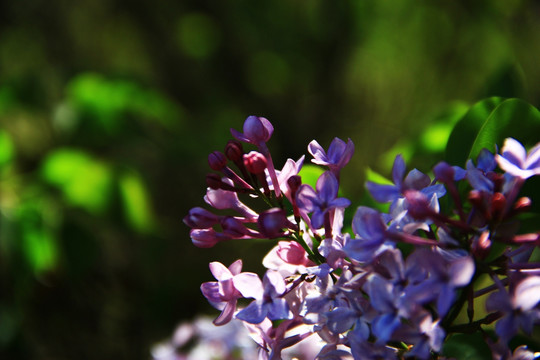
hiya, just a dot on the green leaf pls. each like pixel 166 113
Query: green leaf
pixel 488 123
pixel 467 347
pixel 310 174
pixel 136 202
pixel 6 148
pixel 464 133
pixel 84 181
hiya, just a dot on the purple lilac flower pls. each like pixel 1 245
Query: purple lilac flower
pixel 269 302
pixel 442 272
pixel 370 229
pixel 257 131
pixel 515 160
pixel 415 180
pixel 518 306
pixel 322 200
pixel 338 155
pixel 291 168
pixel 224 293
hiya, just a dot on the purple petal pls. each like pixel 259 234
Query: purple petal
pixel 415 179
pixel 336 150
pixel 279 309
pixel 527 293
pixel 219 271
pixel 306 198
pixel 514 152
pixel 273 283
pixel 226 314
pixel 254 313
pixel 382 193
pixel 327 187
pixel 533 158
pixel 318 153
pixel 461 271
pixel 236 267
pixel 398 170
pixel 367 223
pixel 249 285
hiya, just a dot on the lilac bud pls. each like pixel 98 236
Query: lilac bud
pixel 255 162
pixel 217 160
pixel 481 245
pixel 199 218
pixel 292 253
pixel 206 238
pixel 234 227
pixel 272 222
pixel 258 129
pixel 294 183
pixel 234 150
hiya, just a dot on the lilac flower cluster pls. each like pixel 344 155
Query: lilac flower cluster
pixel 403 282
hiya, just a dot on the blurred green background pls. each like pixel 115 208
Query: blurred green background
pixel 108 110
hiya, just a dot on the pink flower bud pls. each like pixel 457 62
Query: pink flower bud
pixel 206 238
pixel 255 162
pixel 292 253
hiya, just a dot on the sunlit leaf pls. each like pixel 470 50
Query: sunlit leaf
pixel 488 123
pixel 136 202
pixel 6 148
pixel 84 181
pixel 40 249
pixel 108 101
pixel 310 174
pixel 464 133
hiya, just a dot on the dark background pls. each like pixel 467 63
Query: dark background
pixel 108 110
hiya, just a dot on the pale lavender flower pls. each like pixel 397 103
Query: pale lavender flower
pixel 516 161
pixel 338 155
pixel 269 302
pixel 415 180
pixel 322 200
pixel 232 284
pixel 518 306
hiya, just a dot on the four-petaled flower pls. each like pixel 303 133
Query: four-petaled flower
pixel 517 162
pixel 232 284
pixel 322 200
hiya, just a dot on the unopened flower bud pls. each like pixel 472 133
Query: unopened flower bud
pixel 523 204
pixel 258 129
pixel 234 150
pixel 292 253
pixel 206 238
pixel 217 160
pixel 255 162
pixel 294 183
pixel 272 222
pixel 234 227
pixel 498 204
pixel 199 218
pixel 481 245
